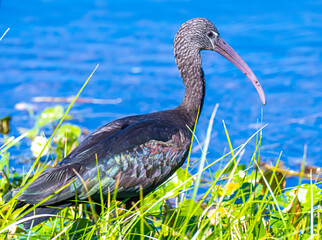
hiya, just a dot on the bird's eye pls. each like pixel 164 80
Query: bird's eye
pixel 210 34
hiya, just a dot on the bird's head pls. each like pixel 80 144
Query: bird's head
pixel 201 34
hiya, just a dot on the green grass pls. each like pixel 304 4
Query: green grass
pixel 237 202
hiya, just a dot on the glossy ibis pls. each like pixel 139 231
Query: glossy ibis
pixel 138 151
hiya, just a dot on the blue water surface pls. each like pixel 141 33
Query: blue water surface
pixel 53 46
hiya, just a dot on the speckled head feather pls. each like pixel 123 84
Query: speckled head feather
pixel 192 36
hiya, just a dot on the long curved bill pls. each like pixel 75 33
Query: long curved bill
pixel 225 50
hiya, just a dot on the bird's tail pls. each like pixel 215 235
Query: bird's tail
pixel 33 218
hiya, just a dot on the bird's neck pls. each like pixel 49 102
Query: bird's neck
pixel 189 65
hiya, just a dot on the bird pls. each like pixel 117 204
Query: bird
pixel 135 152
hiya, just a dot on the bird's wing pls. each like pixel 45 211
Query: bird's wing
pixel 53 183
pixel 144 153
pixel 50 181
pixel 102 133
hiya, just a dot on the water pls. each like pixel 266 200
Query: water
pixel 53 46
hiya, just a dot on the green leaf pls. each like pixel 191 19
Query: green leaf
pixel 50 115
pixel 4 160
pixel 186 215
pixel 258 190
pixel 141 228
pixel 188 206
pixel 177 182
pixel 304 195
pixel 259 230
pixel 171 189
pixel 69 130
pixel 66 139
pixel 79 228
